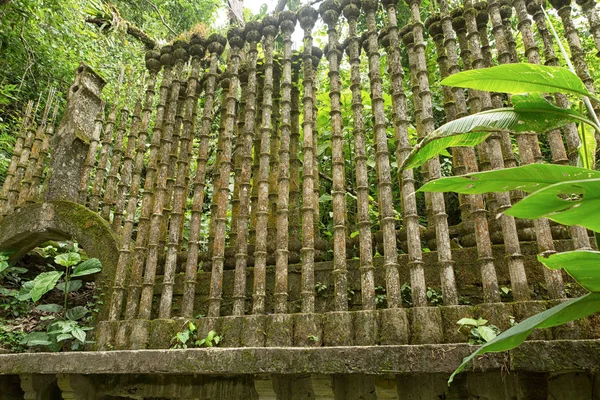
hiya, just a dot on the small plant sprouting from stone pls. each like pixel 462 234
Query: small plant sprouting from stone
pixel 434 297
pixel 313 338
pixel 477 330
pixel 188 337
pixel 320 287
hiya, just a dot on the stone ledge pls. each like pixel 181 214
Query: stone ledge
pixel 535 356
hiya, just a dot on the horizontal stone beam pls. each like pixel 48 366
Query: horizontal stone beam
pixel 534 356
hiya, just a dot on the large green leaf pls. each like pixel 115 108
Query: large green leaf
pixel 43 283
pixel 67 259
pixel 527 178
pixel 583 265
pixel 87 267
pixel 71 286
pixel 519 78
pixel 76 313
pixel 531 113
pixel 568 203
pixel 568 311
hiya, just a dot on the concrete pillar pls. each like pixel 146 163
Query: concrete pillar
pixel 71 142
pixel 38 387
pixel 76 387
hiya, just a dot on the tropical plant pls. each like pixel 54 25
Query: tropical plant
pixel 565 194
pixel 66 322
pixel 188 337
pixel 477 330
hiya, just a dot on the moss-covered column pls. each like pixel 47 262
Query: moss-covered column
pixel 179 194
pixel 287 22
pixel 112 179
pixel 9 180
pixel 577 53
pixel 270 29
pixel 127 168
pixel 140 247
pixel 38 173
pixel 180 55
pixel 237 160
pixel 593 16
pixel 330 12
pixel 224 83
pixel 191 267
pixel 528 148
pixel 308 17
pixel 321 244
pixel 253 35
pixel 105 150
pixel 367 270
pixel 295 244
pixel 494 153
pixel 174 157
pixel 90 160
pixel 443 34
pixel 36 148
pixel 154 66
pixel 384 178
pixel 274 161
pixel 439 216
pixel 222 185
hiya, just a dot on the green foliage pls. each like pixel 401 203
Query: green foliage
pixel 188 337
pixel 70 327
pixel 566 195
pixel 520 78
pixel 477 330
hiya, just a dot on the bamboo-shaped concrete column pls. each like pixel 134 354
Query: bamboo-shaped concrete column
pixel 403 148
pixel 384 177
pixel 179 192
pixel 308 17
pixel 580 237
pixel 180 56
pixel 367 270
pixel 127 167
pixel 270 29
pixel 154 66
pixel 593 16
pixel 9 180
pixel 506 13
pixel 90 160
pixel 330 13
pixel 174 162
pixel 38 173
pixel 36 148
pixel 253 34
pixel 440 218
pixel 570 130
pixel 191 267
pixel 237 160
pixel 479 101
pixel 559 156
pixel 274 160
pixel 141 240
pixel 105 150
pixel 295 244
pixel 287 22
pixel 236 42
pixel 112 180
pixel 445 40
pixel 15 187
pixel 577 53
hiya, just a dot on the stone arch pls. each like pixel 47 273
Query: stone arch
pixel 35 224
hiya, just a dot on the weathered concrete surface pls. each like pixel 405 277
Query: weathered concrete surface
pixel 537 356
pixel 71 143
pixel 35 224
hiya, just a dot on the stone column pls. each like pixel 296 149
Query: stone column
pixel 71 143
